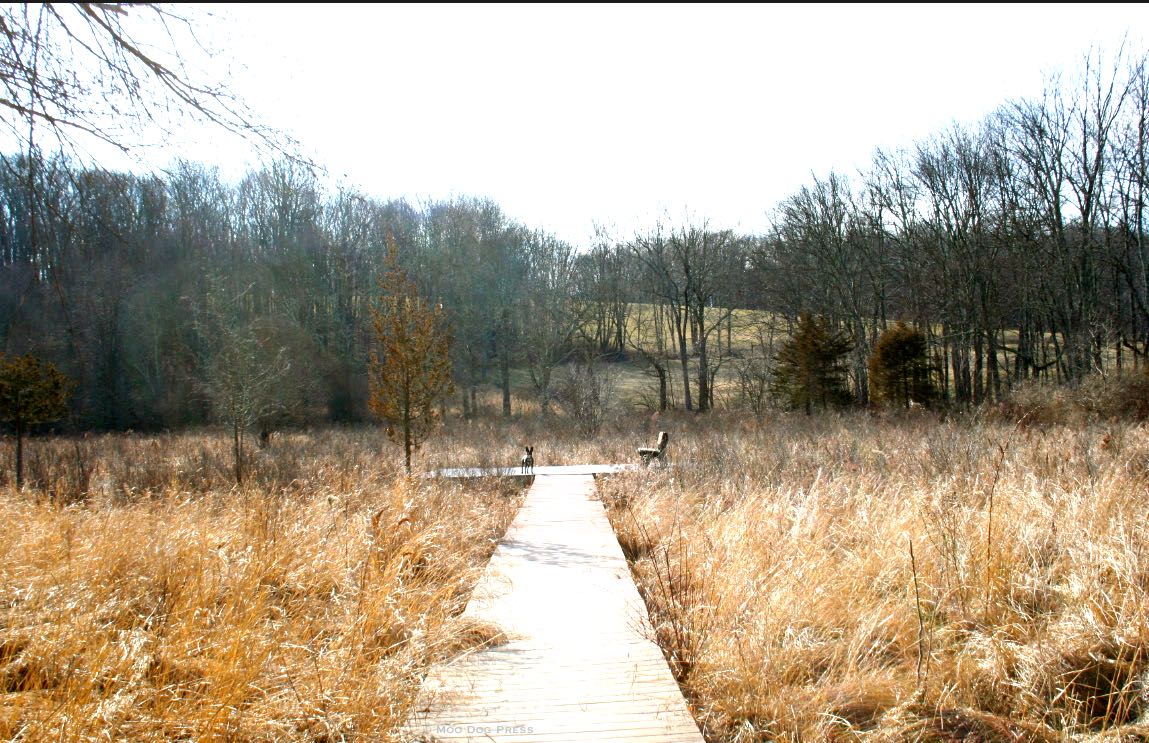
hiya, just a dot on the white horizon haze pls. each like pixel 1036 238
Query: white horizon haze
pixel 568 116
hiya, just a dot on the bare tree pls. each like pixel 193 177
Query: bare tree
pixel 1063 145
pixel 1132 157
pixel 602 278
pixel 242 368
pixel 825 245
pixel 666 261
pixel 649 339
pixel 585 390
pixel 82 73
pixel 755 369
pixel 551 318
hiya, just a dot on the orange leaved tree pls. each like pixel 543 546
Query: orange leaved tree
pixel 410 365
pixel 900 369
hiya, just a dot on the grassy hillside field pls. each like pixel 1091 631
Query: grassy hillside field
pixel 749 341
pixel 835 577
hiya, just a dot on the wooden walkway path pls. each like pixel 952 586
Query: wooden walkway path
pixel 558 469
pixel 577 666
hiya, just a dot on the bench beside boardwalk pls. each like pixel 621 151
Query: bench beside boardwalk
pixel 577 665
pixel 559 469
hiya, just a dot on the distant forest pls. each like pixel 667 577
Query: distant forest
pixel 1016 244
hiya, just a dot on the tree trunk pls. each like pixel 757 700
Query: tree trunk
pixel 407 440
pixel 945 364
pixel 620 332
pixel 993 372
pixel 505 381
pixel 978 369
pixel 861 357
pixel 703 376
pixel 662 388
pixel 237 441
pixel 683 357
pixel 963 385
pixel 19 456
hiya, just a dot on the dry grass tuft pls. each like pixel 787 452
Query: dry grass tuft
pixel 964 725
pixel 1094 684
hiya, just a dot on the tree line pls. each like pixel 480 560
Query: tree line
pixel 175 299
pixel 1015 245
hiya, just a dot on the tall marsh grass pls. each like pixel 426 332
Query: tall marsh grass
pixel 145 598
pixel 776 564
pixel 867 577
pixel 843 577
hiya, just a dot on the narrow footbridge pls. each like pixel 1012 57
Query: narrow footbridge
pixel 560 469
pixel 577 664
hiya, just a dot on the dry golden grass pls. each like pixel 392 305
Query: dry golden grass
pixel 776 561
pixel 884 578
pixel 145 598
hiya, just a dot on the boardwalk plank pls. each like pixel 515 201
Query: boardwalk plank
pixel 577 665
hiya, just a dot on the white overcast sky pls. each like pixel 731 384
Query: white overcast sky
pixel 568 115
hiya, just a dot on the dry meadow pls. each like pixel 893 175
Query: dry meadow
pixel 146 598
pixel 854 578
pixel 838 577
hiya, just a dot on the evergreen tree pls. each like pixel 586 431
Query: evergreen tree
pixel 410 367
pixel 811 369
pixel 31 392
pixel 900 369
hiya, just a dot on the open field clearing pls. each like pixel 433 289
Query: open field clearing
pixel 546 414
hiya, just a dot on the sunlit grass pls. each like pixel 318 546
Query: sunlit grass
pixel 776 561
pixel 881 577
pixel 159 603
pixel 837 577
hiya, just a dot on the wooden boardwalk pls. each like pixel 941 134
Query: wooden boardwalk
pixel 577 666
pixel 559 469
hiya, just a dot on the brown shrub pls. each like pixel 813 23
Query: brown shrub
pixel 1099 398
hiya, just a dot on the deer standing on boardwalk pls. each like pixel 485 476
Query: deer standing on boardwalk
pixel 648 455
pixel 528 460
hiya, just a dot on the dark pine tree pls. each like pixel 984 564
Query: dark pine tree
pixel 811 370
